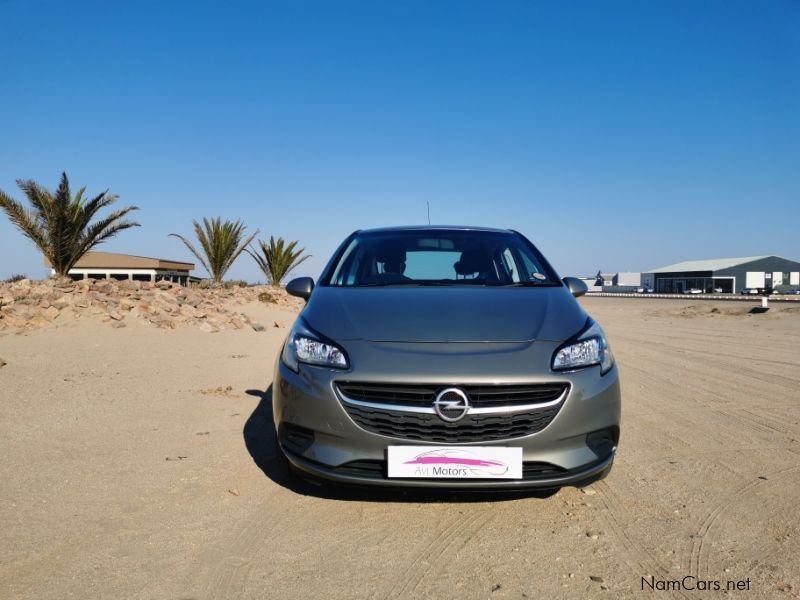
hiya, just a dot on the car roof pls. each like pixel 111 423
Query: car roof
pixel 434 228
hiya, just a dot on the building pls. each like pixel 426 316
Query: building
pixel 726 275
pixel 624 281
pixel 606 279
pixel 628 279
pixel 591 284
pixel 108 265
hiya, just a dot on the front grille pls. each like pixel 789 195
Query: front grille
pixel 479 395
pixel 376 469
pixel 497 412
pixel 430 428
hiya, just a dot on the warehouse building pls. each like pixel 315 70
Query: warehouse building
pixel 109 265
pixel 726 275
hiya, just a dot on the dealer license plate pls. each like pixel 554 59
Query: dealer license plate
pixel 464 462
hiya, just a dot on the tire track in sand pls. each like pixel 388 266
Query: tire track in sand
pixel 699 553
pixel 433 558
pixel 234 562
pixel 633 552
pixel 413 574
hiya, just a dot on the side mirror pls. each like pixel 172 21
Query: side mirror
pixel 300 287
pixel 575 286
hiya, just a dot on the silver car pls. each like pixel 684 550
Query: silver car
pixel 447 357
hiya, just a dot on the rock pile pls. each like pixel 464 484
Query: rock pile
pixel 27 304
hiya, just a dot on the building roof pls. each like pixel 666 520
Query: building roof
pixel 111 260
pixel 711 264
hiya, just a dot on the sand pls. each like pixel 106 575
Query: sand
pixel 136 463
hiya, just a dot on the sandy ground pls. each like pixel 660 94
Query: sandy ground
pixel 135 463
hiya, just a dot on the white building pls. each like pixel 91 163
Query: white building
pixel 109 265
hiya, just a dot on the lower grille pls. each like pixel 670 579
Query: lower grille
pixel 376 469
pixel 430 428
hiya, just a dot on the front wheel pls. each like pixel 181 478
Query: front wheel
pixel 282 468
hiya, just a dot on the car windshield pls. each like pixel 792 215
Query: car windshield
pixel 442 257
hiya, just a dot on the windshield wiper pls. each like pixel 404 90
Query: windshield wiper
pixel 527 284
pixel 388 283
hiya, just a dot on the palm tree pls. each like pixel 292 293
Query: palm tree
pixel 277 258
pixel 221 242
pixel 61 224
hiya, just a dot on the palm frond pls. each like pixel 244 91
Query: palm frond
pixel 26 221
pixel 277 259
pixel 221 243
pixel 194 251
pixel 60 224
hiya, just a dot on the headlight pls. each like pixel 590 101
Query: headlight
pixel 307 346
pixel 589 348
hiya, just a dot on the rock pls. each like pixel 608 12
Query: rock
pixel 27 304
pixel 23 311
pixel 117 324
pixel 128 284
pixel 163 322
pixel 596 578
pixel 208 327
pixel 233 492
pixel 588 491
pixel 50 313
pixel 594 534
pixel 2 362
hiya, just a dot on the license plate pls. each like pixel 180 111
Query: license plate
pixel 467 462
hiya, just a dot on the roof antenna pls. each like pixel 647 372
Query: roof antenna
pixel 429 211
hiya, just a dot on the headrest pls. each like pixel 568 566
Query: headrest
pixel 473 261
pixel 390 254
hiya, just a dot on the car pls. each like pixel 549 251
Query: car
pixel 445 357
pixel 717 290
pixel 693 291
pixel 793 292
pixel 750 291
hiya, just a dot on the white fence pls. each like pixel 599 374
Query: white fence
pixel 735 297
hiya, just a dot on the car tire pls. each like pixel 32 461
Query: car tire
pixel 282 467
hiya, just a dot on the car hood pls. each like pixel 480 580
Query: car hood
pixel 444 314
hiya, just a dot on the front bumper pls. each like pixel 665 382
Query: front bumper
pixel 307 402
pixel 576 477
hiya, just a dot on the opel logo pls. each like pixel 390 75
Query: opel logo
pixel 451 405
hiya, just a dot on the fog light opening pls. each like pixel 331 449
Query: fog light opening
pixel 604 442
pixel 295 438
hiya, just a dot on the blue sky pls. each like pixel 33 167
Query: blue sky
pixel 615 135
